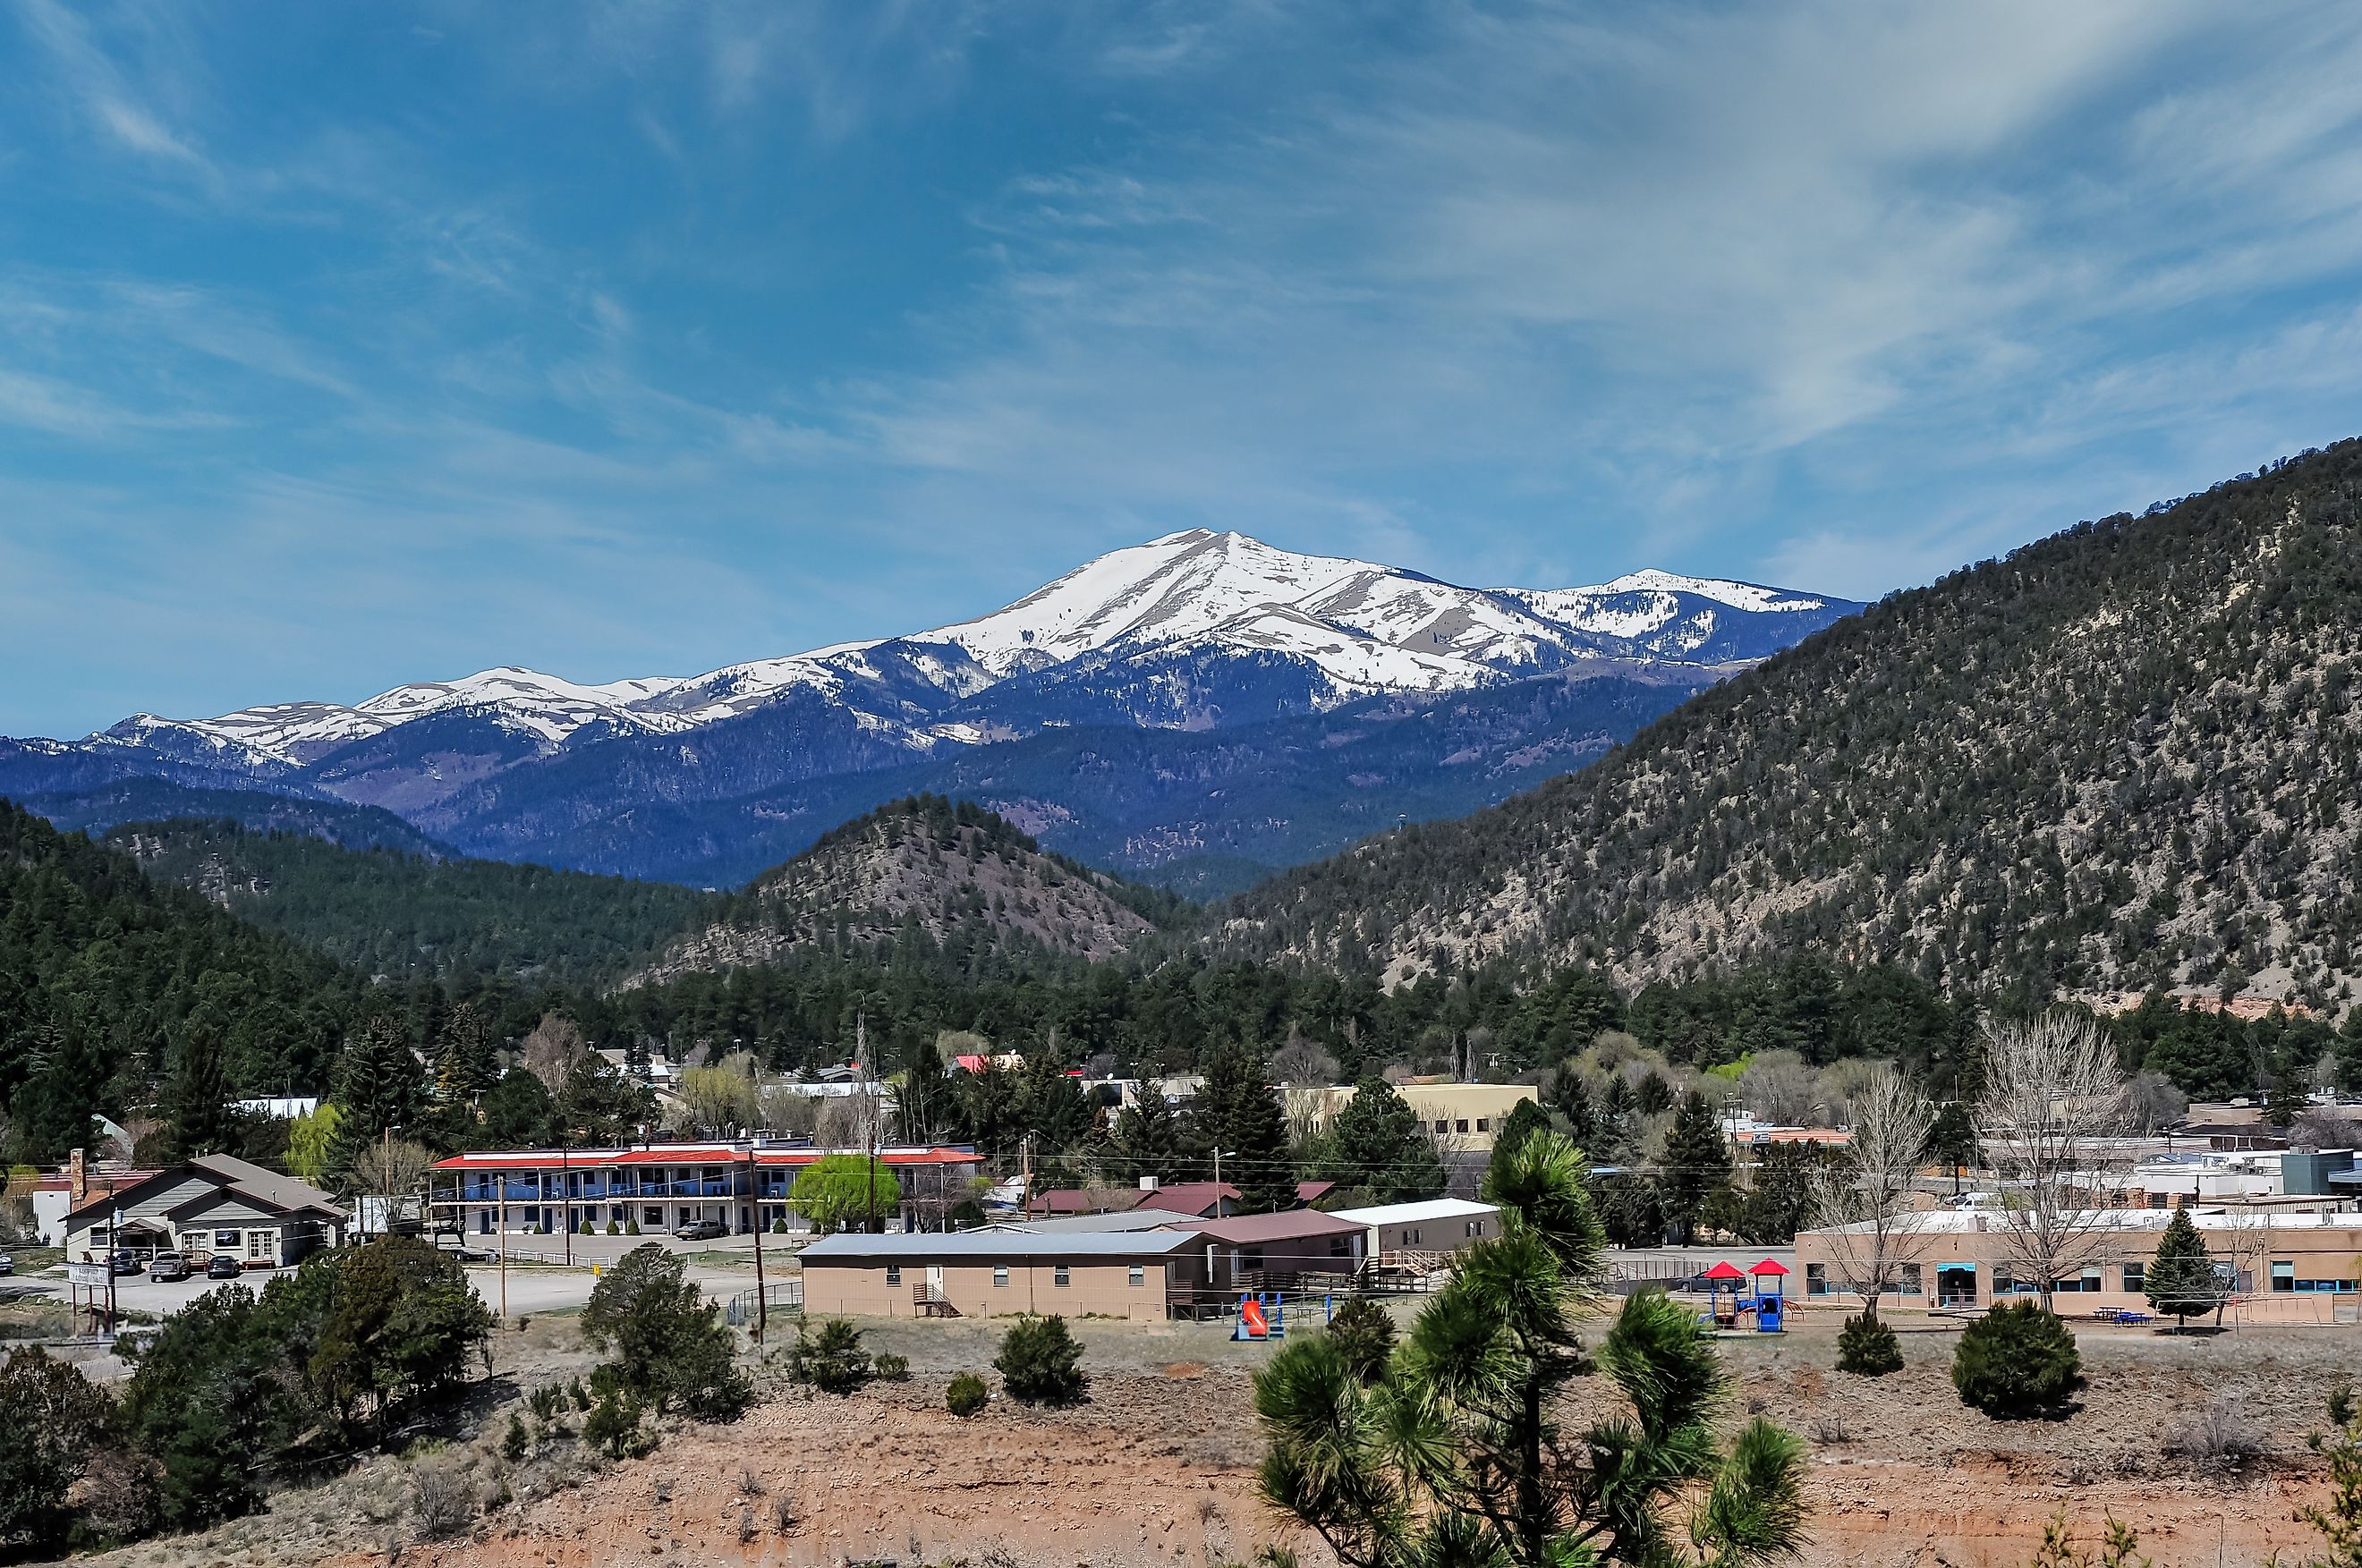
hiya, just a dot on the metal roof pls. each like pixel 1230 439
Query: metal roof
pixel 986 1246
pixel 1123 1220
pixel 1416 1213
pixel 1286 1226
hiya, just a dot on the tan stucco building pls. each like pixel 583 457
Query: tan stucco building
pixel 991 1274
pixel 2277 1266
pixel 1460 1117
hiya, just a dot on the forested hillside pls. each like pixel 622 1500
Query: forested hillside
pixel 960 876
pixel 410 916
pixel 2125 755
pixel 112 987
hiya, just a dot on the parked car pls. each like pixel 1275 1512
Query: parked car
pixel 222 1266
pixel 7 1264
pixel 169 1265
pixel 122 1260
pixel 702 1231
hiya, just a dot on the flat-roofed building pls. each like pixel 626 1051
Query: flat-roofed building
pixel 1432 1225
pixel 2277 1266
pixel 996 1273
pixel 1460 1117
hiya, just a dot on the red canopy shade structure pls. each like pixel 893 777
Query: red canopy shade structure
pixel 1769 1266
pixel 1724 1271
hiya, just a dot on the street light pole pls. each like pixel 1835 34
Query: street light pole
pixel 762 1300
pixel 504 1245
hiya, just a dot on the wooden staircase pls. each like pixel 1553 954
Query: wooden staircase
pixel 930 1301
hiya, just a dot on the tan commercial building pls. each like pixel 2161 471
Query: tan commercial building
pixel 2276 1267
pixel 1434 1225
pixel 991 1274
pixel 1460 1117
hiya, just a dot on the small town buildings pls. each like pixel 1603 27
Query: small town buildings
pixel 214 1203
pixel 1214 1200
pixel 1434 1225
pixel 663 1187
pixel 2278 1267
pixel 1460 1117
pixel 1249 1250
pixel 1083 1200
pixel 995 1273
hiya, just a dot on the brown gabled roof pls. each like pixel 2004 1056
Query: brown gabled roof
pixel 1288 1224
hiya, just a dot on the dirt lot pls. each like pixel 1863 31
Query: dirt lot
pixel 1157 1467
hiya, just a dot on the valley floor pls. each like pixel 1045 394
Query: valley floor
pixel 1158 1467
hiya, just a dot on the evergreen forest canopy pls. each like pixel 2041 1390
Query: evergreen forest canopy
pixel 2124 757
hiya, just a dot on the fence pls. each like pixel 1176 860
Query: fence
pixel 787 1296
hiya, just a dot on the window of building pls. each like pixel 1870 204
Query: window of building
pixel 1475 1227
pixel 1442 1125
pixel 1000 1274
pixel 1484 1124
pixel 1816 1280
pixel 652 1217
pixel 1251 1258
pixel 2136 1279
pixel 2089 1279
pixel 1139 1275
pixel 893 1274
pixel 1908 1280
pixel 1060 1275
pixel 2283 1273
pixel 1461 1125
pixel 1337 1247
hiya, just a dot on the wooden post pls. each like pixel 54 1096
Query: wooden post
pixel 762 1301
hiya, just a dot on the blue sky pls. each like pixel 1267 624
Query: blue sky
pixel 345 346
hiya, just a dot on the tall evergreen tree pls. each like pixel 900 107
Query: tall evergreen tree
pixel 1697 1165
pixel 1237 1114
pixel 465 1062
pixel 379 1084
pixel 55 1108
pixel 1570 1098
pixel 2180 1279
pixel 1952 1139
pixel 198 1118
pixel 1052 1105
pixel 1150 1140
pixel 1376 1143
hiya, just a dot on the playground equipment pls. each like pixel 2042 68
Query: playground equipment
pixel 1757 1290
pixel 1262 1315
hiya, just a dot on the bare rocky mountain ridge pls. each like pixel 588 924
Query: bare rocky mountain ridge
pixel 2125 756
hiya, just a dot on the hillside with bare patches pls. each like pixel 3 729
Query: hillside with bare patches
pixel 959 875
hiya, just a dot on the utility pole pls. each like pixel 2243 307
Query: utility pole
pixel 762 1300
pixel 504 1228
pixel 113 1242
pixel 566 1189
pixel 869 1122
pixel 386 1219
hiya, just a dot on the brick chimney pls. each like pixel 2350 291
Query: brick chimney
pixel 78 1179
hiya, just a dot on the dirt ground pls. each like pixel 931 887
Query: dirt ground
pixel 1158 1466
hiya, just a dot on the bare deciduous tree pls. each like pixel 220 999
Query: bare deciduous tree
pixel 2054 1098
pixel 2153 1100
pixel 1779 1088
pixel 396 1169
pixel 1865 1197
pixel 850 1121
pixel 553 1049
pixel 1302 1064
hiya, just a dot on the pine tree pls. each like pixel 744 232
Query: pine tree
pixel 2180 1279
pixel 1148 1138
pixel 1952 1139
pixel 1376 1143
pixel 465 1062
pixel 1237 1114
pixel 1697 1165
pixel 196 1106
pixel 1570 1098
pixel 379 1085
pixel 1524 1120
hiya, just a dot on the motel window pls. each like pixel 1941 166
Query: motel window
pixel 1061 1275
pixel 1139 1275
pixel 652 1217
pixel 1000 1274
pixel 2136 1279
pixel 1816 1280
pixel 1910 1283
pixel 893 1274
pixel 2283 1273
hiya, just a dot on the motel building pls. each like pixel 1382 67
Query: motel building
pixel 659 1188
pixel 2277 1266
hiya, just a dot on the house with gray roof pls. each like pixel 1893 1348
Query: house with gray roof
pixel 212 1203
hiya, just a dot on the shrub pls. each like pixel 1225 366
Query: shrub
pixel 828 1356
pixel 1040 1362
pixel 440 1500
pixel 615 1424
pixel 2218 1436
pixel 1364 1333
pixel 671 1349
pixel 891 1367
pixel 576 1392
pixel 612 1229
pixel 1867 1346
pixel 588 1229
pixel 778 1227
pixel 2016 1362
pixel 630 1227
pixel 966 1395
pixel 517 1439
pixel 54 1418
pixel 546 1401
